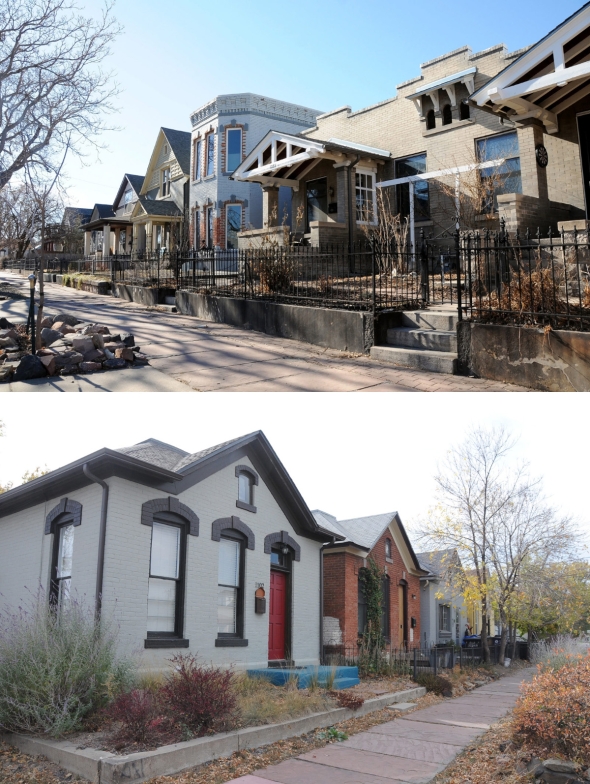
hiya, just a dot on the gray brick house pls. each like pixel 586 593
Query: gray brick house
pixel 214 552
pixel 224 131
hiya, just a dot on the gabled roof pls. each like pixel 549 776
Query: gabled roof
pixel 136 182
pixel 102 212
pixel 548 78
pixel 163 207
pixel 436 562
pixel 172 470
pixel 74 214
pixel 180 145
pixel 365 532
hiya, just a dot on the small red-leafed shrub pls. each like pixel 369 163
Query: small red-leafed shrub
pixel 348 699
pixel 200 698
pixel 139 715
pixel 553 713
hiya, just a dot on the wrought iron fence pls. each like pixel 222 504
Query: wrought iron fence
pixel 527 280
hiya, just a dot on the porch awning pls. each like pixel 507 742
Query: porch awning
pixel 547 79
pixel 284 159
pixel 156 208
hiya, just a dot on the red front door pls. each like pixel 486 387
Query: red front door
pixel 277 616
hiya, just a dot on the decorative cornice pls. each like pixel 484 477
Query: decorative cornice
pixel 281 537
pixel 65 507
pixel 151 508
pixel 234 523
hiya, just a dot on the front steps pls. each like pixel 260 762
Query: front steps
pixel 342 677
pixel 424 340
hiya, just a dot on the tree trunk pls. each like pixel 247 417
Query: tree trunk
pixel 484 616
pixel 503 637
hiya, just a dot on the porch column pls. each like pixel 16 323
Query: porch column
pixel 87 239
pixel 106 241
pixel 342 191
pixel 135 230
pixel 270 206
pixel 534 178
pixel 148 237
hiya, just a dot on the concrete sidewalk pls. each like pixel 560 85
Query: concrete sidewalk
pixel 413 749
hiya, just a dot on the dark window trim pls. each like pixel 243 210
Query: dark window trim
pixel 65 506
pixel 65 519
pixel 236 536
pixel 233 523
pixel 162 638
pixel 173 505
pixel 231 642
pixel 244 469
pixel 165 642
pixel 281 537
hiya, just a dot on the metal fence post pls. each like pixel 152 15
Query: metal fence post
pixel 461 658
pixel 435 661
pixel 415 663
pixel 424 268
pixel 373 274
pixel 458 255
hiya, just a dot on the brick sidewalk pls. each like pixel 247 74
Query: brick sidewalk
pixel 209 357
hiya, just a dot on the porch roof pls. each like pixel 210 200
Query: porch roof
pixel 284 159
pixel 547 79
pixel 158 208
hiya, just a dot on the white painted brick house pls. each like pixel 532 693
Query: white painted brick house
pixel 213 552
pixel 224 131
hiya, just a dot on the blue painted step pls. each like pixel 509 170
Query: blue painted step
pixel 345 677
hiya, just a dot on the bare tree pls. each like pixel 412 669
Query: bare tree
pixel 53 93
pixel 495 515
pixel 390 231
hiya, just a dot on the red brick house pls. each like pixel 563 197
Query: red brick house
pixel 383 539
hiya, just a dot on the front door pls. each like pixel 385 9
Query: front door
pixel 584 137
pixel 277 616
pixel 317 200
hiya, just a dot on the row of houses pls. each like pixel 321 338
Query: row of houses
pixel 252 165
pixel 217 552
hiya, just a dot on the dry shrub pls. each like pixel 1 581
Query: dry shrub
pixel 261 702
pixel 553 714
pixel 276 272
pixel 586 296
pixel 435 683
pixel 348 699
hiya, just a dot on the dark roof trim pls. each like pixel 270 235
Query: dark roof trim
pixel 104 463
pixel 409 545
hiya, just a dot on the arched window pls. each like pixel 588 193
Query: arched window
pixel 430 120
pixel 230 588
pixel 247 480
pixel 464 111
pixel 388 549
pixel 447 114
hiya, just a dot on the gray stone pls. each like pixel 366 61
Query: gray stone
pixel 125 353
pixel 114 345
pixel 96 355
pixel 66 318
pixel 561 766
pixel 69 370
pixel 98 340
pixel 29 367
pixel 5 323
pixel 83 344
pixel 114 364
pixel 65 329
pixel 116 338
pixel 68 358
pixel 50 336
pixel 108 353
pixel 141 359
pixel 127 339
pixel 6 372
pixel 8 343
pixel 90 367
pixel 49 363
pixel 552 777
pixel 9 333
pixel 47 322
pixel 535 767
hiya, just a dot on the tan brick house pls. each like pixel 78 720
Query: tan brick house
pixel 529 109
pixel 383 539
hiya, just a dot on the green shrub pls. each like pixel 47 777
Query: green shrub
pixel 56 668
pixel 435 683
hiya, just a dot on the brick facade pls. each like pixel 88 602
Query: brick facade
pixel 341 570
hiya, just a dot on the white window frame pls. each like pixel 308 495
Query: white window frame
pixel 373 174
pixel 198 162
pixel 212 135
pixel 227 206
pixel 165 191
pixel 227 132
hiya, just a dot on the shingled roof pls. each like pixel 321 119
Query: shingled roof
pixel 180 142
pixel 438 561
pixel 159 207
pixel 155 452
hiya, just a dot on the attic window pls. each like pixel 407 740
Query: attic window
pixel 165 149
pixel 388 550
pixel 247 479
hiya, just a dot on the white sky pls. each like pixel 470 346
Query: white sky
pixel 349 454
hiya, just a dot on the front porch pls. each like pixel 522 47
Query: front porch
pixel 104 239
pixel 157 226
pixel 333 186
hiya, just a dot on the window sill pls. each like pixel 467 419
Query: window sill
pixel 244 505
pixel 209 177
pixel 389 560
pixel 165 642
pixel 230 642
pixel 446 128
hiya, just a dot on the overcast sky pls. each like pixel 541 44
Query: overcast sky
pixel 176 56
pixel 349 454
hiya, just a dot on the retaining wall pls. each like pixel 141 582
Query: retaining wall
pixel 552 361
pixel 328 327
pixel 142 294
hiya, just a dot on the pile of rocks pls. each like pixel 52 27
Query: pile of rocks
pixel 69 346
pixel 555 771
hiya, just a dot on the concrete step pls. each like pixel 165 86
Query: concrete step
pixel 431 339
pixel 418 358
pixel 403 707
pixel 443 320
